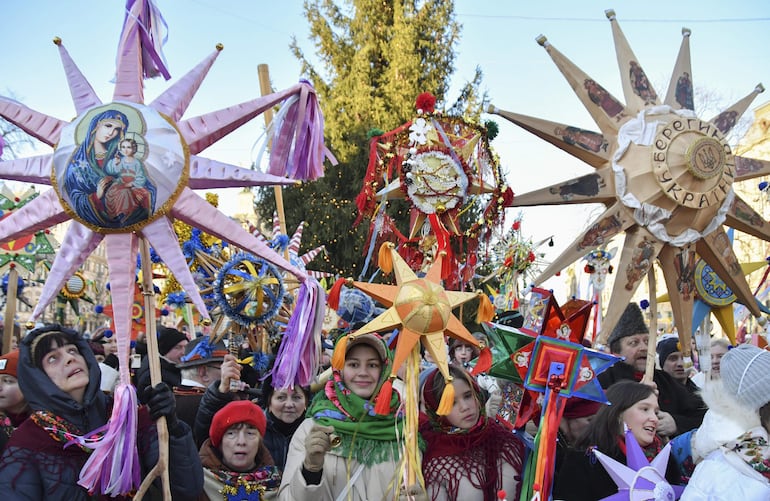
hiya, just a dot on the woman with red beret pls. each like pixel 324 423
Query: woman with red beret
pixel 236 463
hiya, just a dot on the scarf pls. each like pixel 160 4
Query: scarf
pixel 650 451
pixel 753 449
pixel 63 431
pixel 365 436
pixel 248 486
pixel 476 454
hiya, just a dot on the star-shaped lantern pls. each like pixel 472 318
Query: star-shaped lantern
pixel 122 170
pixel 421 308
pixel 546 356
pixel 640 479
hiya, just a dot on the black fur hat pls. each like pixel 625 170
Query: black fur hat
pixel 631 322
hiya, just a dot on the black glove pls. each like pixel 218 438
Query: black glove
pixel 162 402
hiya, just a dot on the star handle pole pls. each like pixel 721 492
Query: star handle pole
pixel 264 88
pixel 649 368
pixel 10 308
pixel 161 467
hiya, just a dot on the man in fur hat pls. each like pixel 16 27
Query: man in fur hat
pixel 679 412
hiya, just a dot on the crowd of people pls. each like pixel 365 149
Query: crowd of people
pixel 232 435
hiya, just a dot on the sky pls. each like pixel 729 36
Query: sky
pixel 729 50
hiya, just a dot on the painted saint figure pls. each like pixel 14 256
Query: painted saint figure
pixel 87 169
pixel 128 194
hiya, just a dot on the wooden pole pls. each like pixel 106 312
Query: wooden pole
pixel 10 308
pixel 264 88
pixel 649 369
pixel 153 355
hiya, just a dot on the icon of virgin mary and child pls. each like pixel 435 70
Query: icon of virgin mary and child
pixel 106 183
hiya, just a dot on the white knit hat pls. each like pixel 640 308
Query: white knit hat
pixel 744 371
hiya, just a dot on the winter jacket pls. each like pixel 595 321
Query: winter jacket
pixel 686 409
pixel 373 483
pixel 278 436
pixel 725 474
pixel 37 466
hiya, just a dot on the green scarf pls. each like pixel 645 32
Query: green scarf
pixel 365 436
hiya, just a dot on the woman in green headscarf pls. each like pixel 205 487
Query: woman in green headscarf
pixel 344 449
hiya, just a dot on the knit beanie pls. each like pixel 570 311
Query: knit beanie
pixel 631 322
pixel 239 411
pixel 168 338
pixel 8 363
pixel 744 372
pixel 666 347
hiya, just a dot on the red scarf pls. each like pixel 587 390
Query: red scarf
pixel 476 455
pixel 650 451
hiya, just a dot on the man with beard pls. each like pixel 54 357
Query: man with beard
pixel 678 412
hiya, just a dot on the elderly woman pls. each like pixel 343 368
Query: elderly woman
pixel 59 377
pixel 468 456
pixel 236 463
pixel 344 449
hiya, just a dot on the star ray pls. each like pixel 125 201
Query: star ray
pixel 129 81
pixel 160 233
pixel 613 221
pixel 28 170
pixel 79 242
pixel 639 252
pixel 589 146
pixel 83 95
pixel 189 209
pixel 42 213
pixel 680 89
pixel 750 168
pixel 595 187
pixel 202 131
pixel 743 217
pixel 726 120
pixel 210 174
pixel 681 287
pixel 38 125
pixel 608 113
pixel 637 89
pixel 175 100
pixel 123 248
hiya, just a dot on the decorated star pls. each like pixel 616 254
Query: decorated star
pixel 664 174
pixel 124 170
pixel 640 479
pixel 421 308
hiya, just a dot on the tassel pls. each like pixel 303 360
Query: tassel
pixel 484 362
pixel 486 311
pixel 338 357
pixel 384 258
pixel 333 300
pixel 382 407
pixel 447 399
pixel 113 466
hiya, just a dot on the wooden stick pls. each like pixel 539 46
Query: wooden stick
pixel 265 89
pixel 649 369
pixel 10 308
pixel 161 468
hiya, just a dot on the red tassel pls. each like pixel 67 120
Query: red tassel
pixel 333 300
pixel 484 362
pixel 382 407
